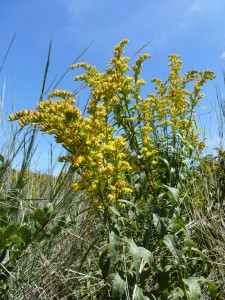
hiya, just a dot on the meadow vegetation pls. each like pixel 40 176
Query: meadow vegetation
pixel 137 210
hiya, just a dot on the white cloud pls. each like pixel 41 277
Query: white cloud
pixel 222 56
pixel 195 8
pixel 201 11
pixel 79 8
pixel 190 17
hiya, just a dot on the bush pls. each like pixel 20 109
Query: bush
pixel 135 162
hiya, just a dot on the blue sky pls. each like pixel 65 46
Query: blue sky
pixel 194 29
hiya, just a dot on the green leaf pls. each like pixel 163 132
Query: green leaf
pixel 170 242
pixel 55 230
pixel 178 225
pixel 114 210
pixel 163 279
pixel 201 254
pixel 41 217
pixel 3 212
pixel 177 293
pixel 113 244
pixel 212 288
pixel 104 264
pixel 173 194
pixel 194 292
pixel 160 224
pixel 118 287
pixel 211 285
pixel 139 295
pixel 127 202
pixel 62 222
pixel 14 239
pixel 131 222
pixel 2 160
pixel 146 255
pixel 3 254
pixel 9 230
pixel 48 209
pixel 25 234
pixel 165 162
pixel 134 250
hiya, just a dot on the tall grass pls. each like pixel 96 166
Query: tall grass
pixel 137 213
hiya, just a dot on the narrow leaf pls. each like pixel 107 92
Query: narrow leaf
pixel 212 287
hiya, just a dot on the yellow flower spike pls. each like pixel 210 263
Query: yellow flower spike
pixel 61 93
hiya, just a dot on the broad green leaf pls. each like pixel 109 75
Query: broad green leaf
pixel 9 230
pixel 118 287
pixel 55 230
pixel 139 295
pixel 160 224
pixel 14 240
pixel 25 234
pixel 178 293
pixel 113 244
pixel 146 255
pixel 104 264
pixel 157 223
pixel 139 185
pixel 48 209
pixel 2 244
pixel 194 292
pixel 173 193
pixel 170 242
pixel 134 250
pixel 137 188
pixel 41 217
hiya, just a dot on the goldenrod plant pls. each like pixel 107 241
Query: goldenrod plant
pixel 134 159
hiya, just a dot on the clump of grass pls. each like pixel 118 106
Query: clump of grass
pixel 34 207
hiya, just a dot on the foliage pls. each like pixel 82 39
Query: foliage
pixel 134 159
pixel 28 210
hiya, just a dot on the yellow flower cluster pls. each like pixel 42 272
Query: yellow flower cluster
pixel 118 136
pixel 61 93
pixel 171 108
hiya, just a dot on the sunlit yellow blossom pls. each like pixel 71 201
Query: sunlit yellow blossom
pixel 122 133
